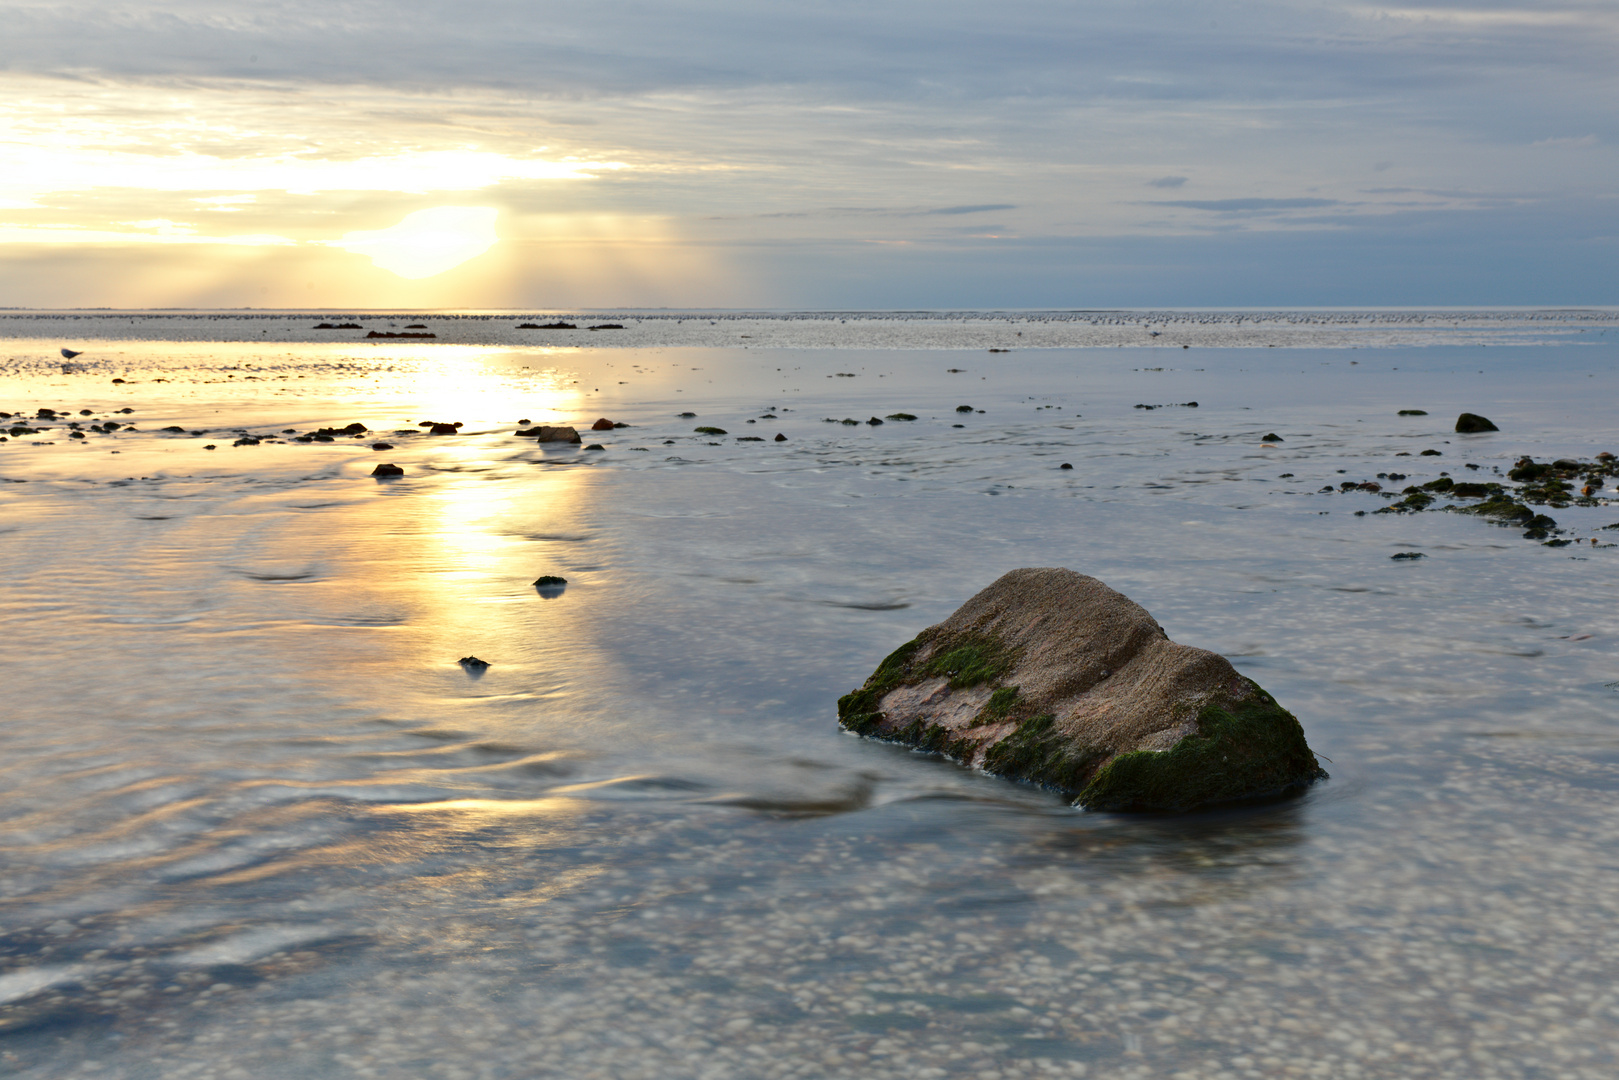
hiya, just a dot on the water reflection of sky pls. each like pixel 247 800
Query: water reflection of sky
pixel 240 759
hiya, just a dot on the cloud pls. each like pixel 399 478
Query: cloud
pixel 1167 182
pixel 1229 206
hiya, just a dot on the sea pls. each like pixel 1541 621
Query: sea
pixel 262 816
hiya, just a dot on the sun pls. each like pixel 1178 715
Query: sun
pixel 427 242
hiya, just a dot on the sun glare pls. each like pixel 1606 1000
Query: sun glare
pixel 427 242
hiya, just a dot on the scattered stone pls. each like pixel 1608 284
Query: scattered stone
pixel 874 421
pixel 558 325
pixel 750 438
pixel 382 470
pixel 472 663
pixel 547 433
pixel 780 437
pixel 603 424
pixel 445 429
pixel 391 334
pixel 964 408
pixel 1408 555
pixel 175 429
pixel 117 381
pixel 416 326
pixel 606 326
pixel 1273 437
pixel 1052 677
pixel 1065 465
pixel 545 581
pixel 1432 453
pixel 382 446
pixel 706 430
pixel 1413 412
pixel 247 440
pixel 901 416
pixel 210 446
pixel 1472 423
pixel 687 415
pixel 595 446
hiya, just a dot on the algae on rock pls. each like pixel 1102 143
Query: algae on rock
pixel 1051 677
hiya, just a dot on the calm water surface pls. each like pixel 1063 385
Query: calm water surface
pixel 256 820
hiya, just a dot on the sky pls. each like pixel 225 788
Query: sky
pixel 819 154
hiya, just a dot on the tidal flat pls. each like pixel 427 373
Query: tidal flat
pixel 256 820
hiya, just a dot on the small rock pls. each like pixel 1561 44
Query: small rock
pixel 445 429
pixel 964 408
pixel 547 580
pixel 706 430
pixel 387 469
pixel 874 421
pixel 606 326
pixel 1430 453
pixel 472 663
pixel 1408 555
pixel 595 446
pixel 780 437
pixel 547 433
pixel 901 416
pixel 1471 423
pixel 1414 412
pixel 382 446
pixel 603 424
pixel 1065 465
pixel 687 415
pixel 1273 437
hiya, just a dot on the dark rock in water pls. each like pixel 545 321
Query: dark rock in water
pixel 444 429
pixel 549 581
pixel 1413 412
pixel 472 663
pixel 780 437
pixel 382 446
pixel 1432 453
pixel 247 441
pixel 387 470
pixel 1472 423
pixel 706 430
pixel 1065 465
pixel 391 334
pixel 901 416
pixel 687 415
pixel 547 433
pixel 606 326
pixel 1273 437
pixel 874 421
pixel 1408 555
pixel 603 424
pixel 964 408
pixel 1052 677
pixel 595 446
pixel 176 429
pixel 210 446
pixel 416 326
pixel 325 326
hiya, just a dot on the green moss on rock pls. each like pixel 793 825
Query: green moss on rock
pixel 1241 750
pixel 1038 752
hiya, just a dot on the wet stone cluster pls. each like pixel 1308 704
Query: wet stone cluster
pixel 1510 501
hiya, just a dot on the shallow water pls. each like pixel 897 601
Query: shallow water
pixel 255 820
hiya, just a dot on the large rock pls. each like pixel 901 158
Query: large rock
pixel 1052 677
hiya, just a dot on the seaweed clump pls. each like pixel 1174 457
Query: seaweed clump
pixel 1241 750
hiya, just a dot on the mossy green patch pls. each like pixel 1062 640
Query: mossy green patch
pixel 1240 751
pixel 1502 508
pixel 970 660
pixel 1000 706
pixel 1036 751
pixel 857 710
